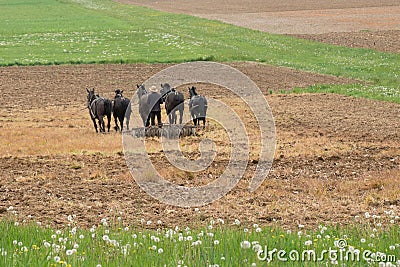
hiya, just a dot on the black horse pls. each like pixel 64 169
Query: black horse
pixel 144 109
pixel 197 106
pixel 174 101
pixel 98 108
pixel 121 110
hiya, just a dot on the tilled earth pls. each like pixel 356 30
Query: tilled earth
pixel 336 156
pixel 365 24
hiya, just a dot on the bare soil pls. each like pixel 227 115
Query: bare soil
pixel 365 24
pixel 336 156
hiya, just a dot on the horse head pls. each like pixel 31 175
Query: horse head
pixel 165 90
pixel 118 93
pixel 141 90
pixel 91 95
pixel 192 91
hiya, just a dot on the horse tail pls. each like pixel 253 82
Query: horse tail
pixel 108 107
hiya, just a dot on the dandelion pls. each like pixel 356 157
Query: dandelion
pixel 362 240
pixel 308 243
pixel 196 243
pixel 148 222
pixel 57 259
pixel 69 252
pixel 159 222
pixel 216 242
pixel 257 247
pixel 15 242
pixel 367 215
pixel 301 225
pixel 106 238
pixel 196 209
pixel 258 230
pixel 81 236
pixel 160 250
pixel 76 246
pixel 58 232
pixel 221 221
pixel 392 247
pixel 126 229
pixel 245 244
pixel 16 224
pixel 46 244
pixel 237 222
pixel 245 230
pixel 210 234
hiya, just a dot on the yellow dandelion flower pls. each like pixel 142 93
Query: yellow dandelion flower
pixel 282 236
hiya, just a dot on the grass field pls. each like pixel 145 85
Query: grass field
pixel 101 31
pixel 112 242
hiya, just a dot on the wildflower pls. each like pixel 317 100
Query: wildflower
pixel 257 247
pixel 258 229
pixel 245 244
pixel 15 242
pixel 148 222
pixel 126 229
pixel 76 246
pixel 308 242
pixel 57 259
pixel 392 247
pixel 216 242
pixel 221 221
pixel 160 250
pixel 196 209
pixel 189 238
pixel 237 222
pixel 16 223
pixel 106 238
pixel 98 265
pixel 81 236
pixel 245 230
pixel 301 225
pixel 367 215
pixel 58 232
pixel 196 243
pixel 362 240
pixel 210 234
pixel 222 258
pixel 46 244
pixel 69 252
pixel 159 222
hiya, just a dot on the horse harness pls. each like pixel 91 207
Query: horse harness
pixel 92 104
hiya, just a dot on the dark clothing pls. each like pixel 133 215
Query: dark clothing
pixel 154 101
pixel 153 115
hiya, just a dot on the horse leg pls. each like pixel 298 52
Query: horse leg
pixel 128 117
pixel 116 123
pixel 95 125
pixel 108 122
pixel 121 122
pixel 170 118
pixel 180 116
pixel 101 124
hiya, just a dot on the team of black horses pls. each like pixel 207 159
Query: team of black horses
pixel 149 107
